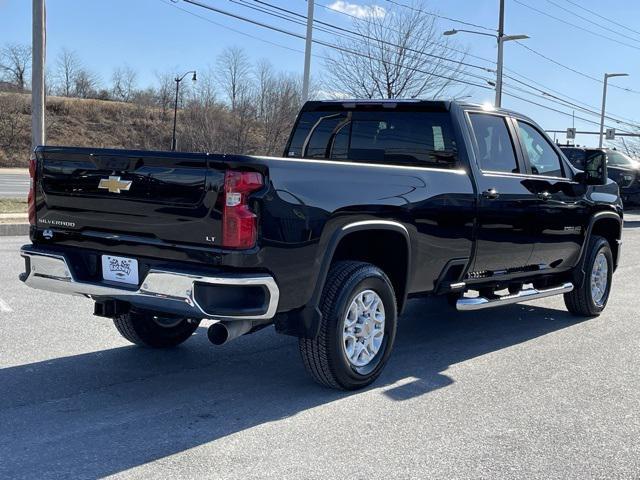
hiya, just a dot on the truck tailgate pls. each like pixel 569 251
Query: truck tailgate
pixel 151 196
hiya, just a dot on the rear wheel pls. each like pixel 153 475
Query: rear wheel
pixel 157 332
pixel 590 298
pixel 357 330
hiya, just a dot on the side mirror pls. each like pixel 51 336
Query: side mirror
pixel 595 169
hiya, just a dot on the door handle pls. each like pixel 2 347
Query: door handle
pixel 544 196
pixel 491 194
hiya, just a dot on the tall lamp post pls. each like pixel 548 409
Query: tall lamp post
pixel 607 76
pixel 500 38
pixel 175 106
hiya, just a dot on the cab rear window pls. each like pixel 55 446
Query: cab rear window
pixel 398 138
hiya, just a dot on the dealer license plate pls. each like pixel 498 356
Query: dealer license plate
pixel 120 269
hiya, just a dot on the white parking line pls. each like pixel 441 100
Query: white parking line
pixel 4 307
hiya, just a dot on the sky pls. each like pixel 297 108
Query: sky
pixel 153 36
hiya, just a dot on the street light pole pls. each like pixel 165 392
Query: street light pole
pixel 37 77
pixel 307 52
pixel 498 102
pixel 501 38
pixel 175 106
pixel 607 76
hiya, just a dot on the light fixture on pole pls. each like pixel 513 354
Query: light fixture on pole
pixel 500 38
pixel 607 76
pixel 175 105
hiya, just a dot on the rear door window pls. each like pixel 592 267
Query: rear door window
pixel 390 137
pixel 496 152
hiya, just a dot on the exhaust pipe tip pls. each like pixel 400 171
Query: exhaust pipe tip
pixel 218 333
pixel 222 332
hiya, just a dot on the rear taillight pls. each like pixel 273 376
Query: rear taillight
pixel 239 223
pixel 31 198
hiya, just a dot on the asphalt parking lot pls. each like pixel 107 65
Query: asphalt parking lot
pixel 526 391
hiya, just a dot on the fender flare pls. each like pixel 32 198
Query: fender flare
pixel 305 322
pixel 587 237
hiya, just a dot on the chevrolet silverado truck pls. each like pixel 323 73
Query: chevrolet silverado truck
pixel 372 203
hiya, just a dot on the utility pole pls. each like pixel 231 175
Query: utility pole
pixel 307 52
pixel 498 102
pixel 607 76
pixel 37 73
pixel 501 38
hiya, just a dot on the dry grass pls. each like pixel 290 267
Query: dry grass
pixel 82 123
pixel 11 205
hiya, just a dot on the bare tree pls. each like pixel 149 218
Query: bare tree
pixel 234 74
pixel 279 101
pixel 204 91
pixel 264 77
pixel 13 121
pixel 165 92
pixel 67 67
pixel 85 84
pixel 15 61
pixel 123 83
pixel 396 54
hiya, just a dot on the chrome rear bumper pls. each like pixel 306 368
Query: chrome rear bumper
pixel 166 291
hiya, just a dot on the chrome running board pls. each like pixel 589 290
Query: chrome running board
pixel 465 304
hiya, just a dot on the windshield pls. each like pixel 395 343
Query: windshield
pixel 618 159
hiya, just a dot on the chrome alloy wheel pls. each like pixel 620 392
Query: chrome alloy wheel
pixel 363 328
pixel 599 279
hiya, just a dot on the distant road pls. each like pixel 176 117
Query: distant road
pixel 13 184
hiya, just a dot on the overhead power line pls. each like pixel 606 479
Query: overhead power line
pixel 171 3
pixel 579 27
pixel 571 69
pixel 359 37
pixel 602 17
pixel 448 47
pixel 597 24
pixel 543 94
pixel 511 71
pixel 322 42
pixel 562 112
pixel 587 109
pixel 424 12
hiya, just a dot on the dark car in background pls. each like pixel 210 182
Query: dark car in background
pixel 621 168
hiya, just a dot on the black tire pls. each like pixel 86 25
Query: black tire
pixel 324 356
pixel 580 300
pixel 141 329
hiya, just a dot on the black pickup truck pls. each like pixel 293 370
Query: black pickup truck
pixel 373 202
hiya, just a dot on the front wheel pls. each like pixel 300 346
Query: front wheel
pixel 357 330
pixel 590 298
pixel 157 332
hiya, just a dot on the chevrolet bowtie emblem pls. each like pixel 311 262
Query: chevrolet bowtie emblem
pixel 114 184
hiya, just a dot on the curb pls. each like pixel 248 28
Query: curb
pixel 13 229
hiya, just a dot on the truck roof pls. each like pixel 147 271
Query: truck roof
pixel 445 105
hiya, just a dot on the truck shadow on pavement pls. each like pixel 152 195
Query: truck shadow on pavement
pixel 105 412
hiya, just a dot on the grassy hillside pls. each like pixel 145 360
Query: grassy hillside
pixel 204 125
pixel 80 122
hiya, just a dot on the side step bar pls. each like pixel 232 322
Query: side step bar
pixel 479 303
